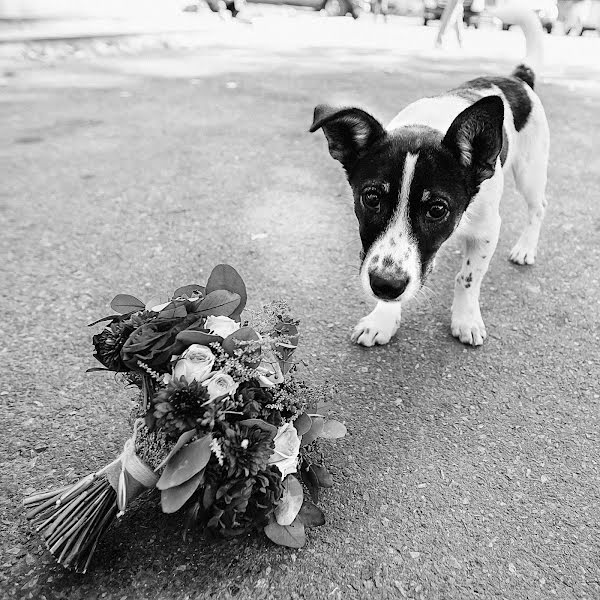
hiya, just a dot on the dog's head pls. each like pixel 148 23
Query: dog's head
pixel 411 186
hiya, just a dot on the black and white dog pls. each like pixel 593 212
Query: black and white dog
pixel 437 171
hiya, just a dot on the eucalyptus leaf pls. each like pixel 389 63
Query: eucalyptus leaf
pixel 311 481
pixel 314 432
pixel 291 502
pixel 303 424
pixel 311 515
pixel 94 369
pixel 244 334
pixel 125 303
pixel 183 439
pixel 332 430
pixel 173 312
pixel 192 336
pixel 292 536
pixel 186 291
pixel 172 499
pixel 109 318
pixel 191 459
pixel 225 277
pixel 323 476
pixel 219 303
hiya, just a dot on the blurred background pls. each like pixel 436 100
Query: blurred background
pixel 573 17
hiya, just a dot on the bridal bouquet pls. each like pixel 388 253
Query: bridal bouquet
pixel 223 429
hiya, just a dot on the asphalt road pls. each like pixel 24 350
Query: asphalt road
pixel 466 473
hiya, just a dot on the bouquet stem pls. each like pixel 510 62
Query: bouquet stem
pixel 72 519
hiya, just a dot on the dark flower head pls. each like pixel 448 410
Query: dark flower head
pixel 179 407
pixel 246 450
pixel 245 503
pixel 108 344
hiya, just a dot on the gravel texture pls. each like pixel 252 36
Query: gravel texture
pixel 466 473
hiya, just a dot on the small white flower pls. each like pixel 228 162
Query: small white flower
pixel 244 444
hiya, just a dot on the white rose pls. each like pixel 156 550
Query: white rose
pixel 219 385
pixel 287 448
pixel 222 326
pixel 195 364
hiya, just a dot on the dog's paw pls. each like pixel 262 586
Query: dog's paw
pixel 469 330
pixel 522 253
pixel 372 330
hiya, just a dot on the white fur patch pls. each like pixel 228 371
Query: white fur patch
pixel 395 253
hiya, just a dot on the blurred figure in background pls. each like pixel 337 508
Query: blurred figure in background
pixel 380 7
pixel 452 16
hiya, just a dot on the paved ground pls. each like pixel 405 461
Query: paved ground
pixel 466 474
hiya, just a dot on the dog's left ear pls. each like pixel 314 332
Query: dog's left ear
pixel 475 137
pixel 349 132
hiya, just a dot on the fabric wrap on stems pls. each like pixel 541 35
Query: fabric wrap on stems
pixel 128 475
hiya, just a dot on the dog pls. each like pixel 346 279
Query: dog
pixel 437 172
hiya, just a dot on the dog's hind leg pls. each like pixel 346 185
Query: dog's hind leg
pixel 530 172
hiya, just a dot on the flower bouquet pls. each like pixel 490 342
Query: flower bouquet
pixel 221 428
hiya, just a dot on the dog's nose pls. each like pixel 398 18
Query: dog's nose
pixel 387 289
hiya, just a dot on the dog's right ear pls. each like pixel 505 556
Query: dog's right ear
pixel 349 132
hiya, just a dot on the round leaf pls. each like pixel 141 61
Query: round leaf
pixel 315 430
pixel 190 460
pixel 332 430
pixel 292 536
pixel 225 277
pixel 172 499
pixel 184 438
pixel 303 424
pixel 188 290
pixel 244 334
pixel 311 515
pixel 323 475
pixel 220 303
pixel 125 303
pixel 291 502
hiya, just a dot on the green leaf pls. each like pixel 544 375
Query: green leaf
pixel 244 334
pixel 124 303
pixel 315 430
pixel 303 424
pixel 219 303
pixel 311 481
pixel 173 312
pixel 183 439
pixel 209 496
pixel 191 459
pixel 332 430
pixel 94 369
pixel 225 277
pixel 172 499
pixel 292 536
pixel 109 318
pixel 311 515
pixel 192 336
pixel 291 501
pixel 261 424
pixel 186 291
pixel 323 476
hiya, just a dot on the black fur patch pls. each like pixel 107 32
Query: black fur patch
pixel 513 89
pixel 524 73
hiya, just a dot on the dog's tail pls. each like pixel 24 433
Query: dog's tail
pixel 528 21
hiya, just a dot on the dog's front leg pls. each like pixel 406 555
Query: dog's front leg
pixel 467 324
pixel 379 325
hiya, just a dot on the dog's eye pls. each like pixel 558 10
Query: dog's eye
pixel 437 211
pixel 371 200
